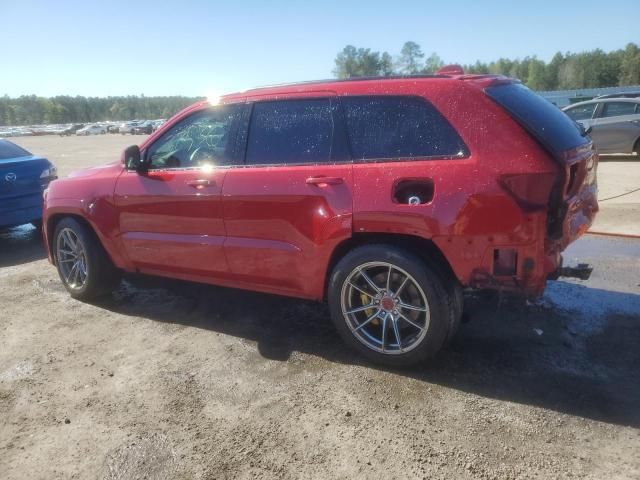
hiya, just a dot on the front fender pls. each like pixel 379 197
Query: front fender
pixel 99 214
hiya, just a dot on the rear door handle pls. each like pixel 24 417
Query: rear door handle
pixel 321 180
pixel 200 183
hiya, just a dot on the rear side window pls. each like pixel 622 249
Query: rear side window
pixel 582 112
pixel 546 122
pixel 616 109
pixel 291 132
pixel 11 150
pixel 399 127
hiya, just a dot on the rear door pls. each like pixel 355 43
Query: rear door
pixel 171 216
pixel 616 127
pixel 291 203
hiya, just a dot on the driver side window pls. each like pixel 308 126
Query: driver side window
pixel 202 139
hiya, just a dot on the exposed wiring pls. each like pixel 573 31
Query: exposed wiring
pixel 621 195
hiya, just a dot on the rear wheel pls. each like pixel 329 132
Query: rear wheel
pixel 83 265
pixel 389 305
pixel 636 147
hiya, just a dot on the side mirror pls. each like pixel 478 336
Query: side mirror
pixel 133 160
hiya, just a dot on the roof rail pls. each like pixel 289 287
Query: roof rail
pixel 351 79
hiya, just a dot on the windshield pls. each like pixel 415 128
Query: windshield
pixel 11 150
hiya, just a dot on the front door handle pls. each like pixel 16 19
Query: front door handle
pixel 321 180
pixel 200 183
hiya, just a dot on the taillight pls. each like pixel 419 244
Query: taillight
pixel 531 191
pixel 573 173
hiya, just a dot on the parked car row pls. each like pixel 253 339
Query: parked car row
pixel 140 127
pixel 135 127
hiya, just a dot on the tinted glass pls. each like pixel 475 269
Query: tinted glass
pixel 399 127
pixel 291 131
pixel 546 122
pixel 203 138
pixel 583 112
pixel 616 109
pixel 11 150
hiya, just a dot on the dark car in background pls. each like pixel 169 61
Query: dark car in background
pixel 23 178
pixel 71 130
pixel 145 128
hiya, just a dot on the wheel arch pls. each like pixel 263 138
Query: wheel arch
pixel 426 249
pixel 54 219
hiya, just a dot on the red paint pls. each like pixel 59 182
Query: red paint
pixel 274 229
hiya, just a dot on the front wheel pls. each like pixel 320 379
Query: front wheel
pixel 389 305
pixel 83 265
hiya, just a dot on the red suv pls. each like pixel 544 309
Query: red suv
pixel 385 197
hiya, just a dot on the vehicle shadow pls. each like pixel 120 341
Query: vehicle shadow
pixel 20 245
pixel 564 366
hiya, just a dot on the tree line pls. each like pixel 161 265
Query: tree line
pixel 565 71
pixel 34 110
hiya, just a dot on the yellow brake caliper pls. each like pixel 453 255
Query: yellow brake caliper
pixel 369 311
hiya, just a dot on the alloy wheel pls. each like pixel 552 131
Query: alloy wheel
pixel 385 308
pixel 72 259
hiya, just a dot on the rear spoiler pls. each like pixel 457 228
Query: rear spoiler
pixel 483 80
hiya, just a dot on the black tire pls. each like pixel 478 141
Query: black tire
pixel 636 147
pixel 102 277
pixel 444 311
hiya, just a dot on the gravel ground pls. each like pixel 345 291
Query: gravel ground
pixel 173 380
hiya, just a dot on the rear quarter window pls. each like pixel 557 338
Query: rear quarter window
pixel 543 120
pixel 382 127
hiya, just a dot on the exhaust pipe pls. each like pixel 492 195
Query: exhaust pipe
pixel 582 271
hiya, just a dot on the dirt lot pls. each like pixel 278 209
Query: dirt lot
pixel 172 380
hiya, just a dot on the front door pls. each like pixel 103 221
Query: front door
pixel 170 218
pixel 291 204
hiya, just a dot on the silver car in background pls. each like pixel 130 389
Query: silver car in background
pixel 614 122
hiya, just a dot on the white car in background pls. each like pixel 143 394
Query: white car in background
pixel 92 130
pixel 127 127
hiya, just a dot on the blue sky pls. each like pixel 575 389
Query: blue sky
pixel 115 47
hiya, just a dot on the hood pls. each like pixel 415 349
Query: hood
pixel 26 162
pixel 107 169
